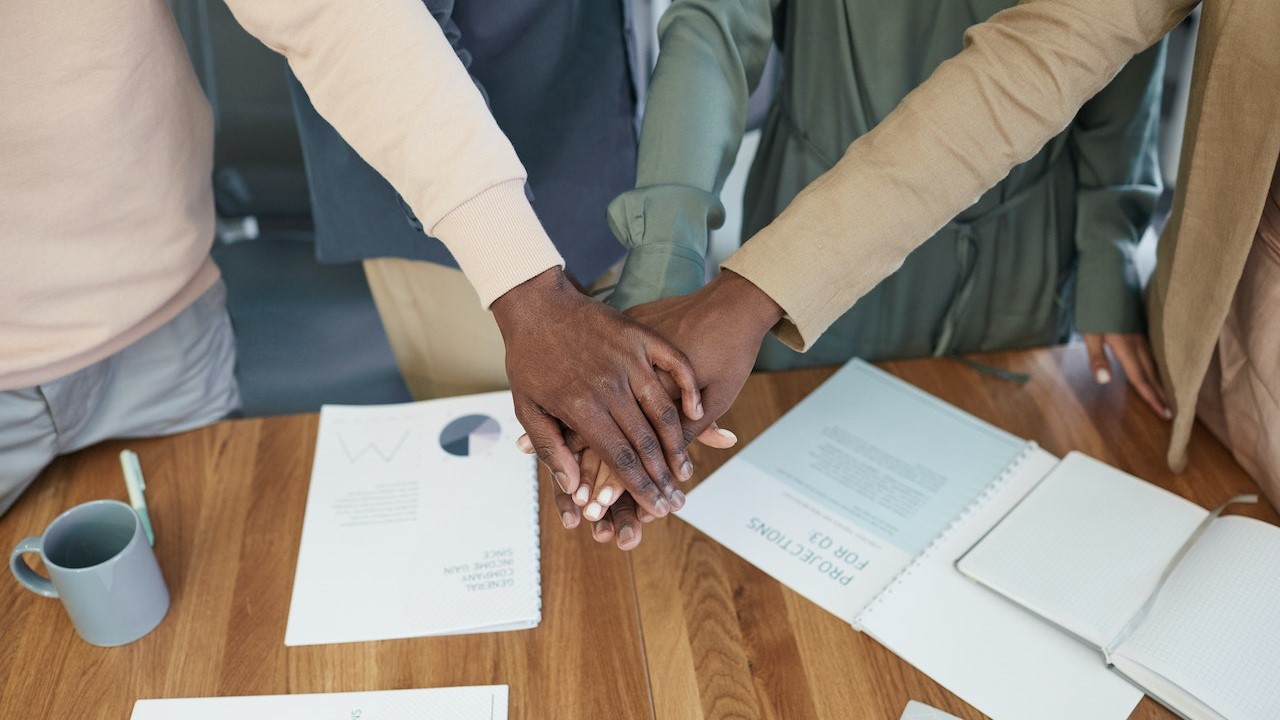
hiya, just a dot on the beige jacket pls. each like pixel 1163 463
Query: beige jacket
pixel 1019 81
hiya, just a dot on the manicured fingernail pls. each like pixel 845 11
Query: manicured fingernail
pixel 1102 375
pixel 525 444
pixel 566 517
pixel 626 535
pixel 661 507
pixel 593 512
pixel 1168 414
pixel 698 410
pixel 677 500
pixel 686 470
pixel 605 496
pixel 582 495
pixel 562 480
pixel 727 435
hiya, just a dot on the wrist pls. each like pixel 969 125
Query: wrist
pixel 735 295
pixel 532 297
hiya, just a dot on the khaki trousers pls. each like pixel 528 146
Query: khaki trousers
pixel 445 343
pixel 177 377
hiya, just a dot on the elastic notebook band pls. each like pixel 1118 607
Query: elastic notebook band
pixel 1145 610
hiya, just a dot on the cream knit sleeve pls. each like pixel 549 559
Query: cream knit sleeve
pixel 383 74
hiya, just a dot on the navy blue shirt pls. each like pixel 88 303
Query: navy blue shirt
pixel 558 78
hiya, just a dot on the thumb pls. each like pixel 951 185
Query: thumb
pixel 548 442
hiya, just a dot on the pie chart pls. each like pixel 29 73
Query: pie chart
pixel 470 434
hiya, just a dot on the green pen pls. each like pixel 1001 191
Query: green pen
pixel 135 484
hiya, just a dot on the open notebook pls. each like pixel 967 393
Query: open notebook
pixel 1184 603
pixel 862 498
pixel 422 519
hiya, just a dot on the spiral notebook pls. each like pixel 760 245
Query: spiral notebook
pixel 1180 600
pixel 862 497
pixel 421 519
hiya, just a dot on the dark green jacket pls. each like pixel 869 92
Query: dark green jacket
pixel 978 284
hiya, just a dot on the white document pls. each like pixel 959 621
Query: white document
pixel 422 519
pixel 459 703
pixel 842 493
pixel 920 711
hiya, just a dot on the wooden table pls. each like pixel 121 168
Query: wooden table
pixel 679 628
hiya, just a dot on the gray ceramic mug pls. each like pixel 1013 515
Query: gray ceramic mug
pixel 101 568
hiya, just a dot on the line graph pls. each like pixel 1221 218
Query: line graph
pixel 355 451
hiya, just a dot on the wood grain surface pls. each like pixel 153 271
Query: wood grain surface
pixel 680 628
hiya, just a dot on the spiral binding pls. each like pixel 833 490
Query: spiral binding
pixel 537 538
pixel 994 487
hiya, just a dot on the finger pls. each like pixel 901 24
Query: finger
pixel 608 491
pixel 625 465
pixel 1142 350
pixel 570 515
pixel 574 440
pixel 717 401
pixel 594 471
pixel 602 530
pixel 526 445
pixel 1137 377
pixel 544 433
pixel 665 419
pixel 635 426
pixel 1099 365
pixel 626 524
pixel 717 437
pixel 664 356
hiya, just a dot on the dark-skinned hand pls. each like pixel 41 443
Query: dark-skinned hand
pixel 620 519
pixel 606 389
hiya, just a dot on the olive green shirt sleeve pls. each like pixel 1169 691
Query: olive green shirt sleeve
pixel 1019 81
pixel 1114 143
pixel 712 53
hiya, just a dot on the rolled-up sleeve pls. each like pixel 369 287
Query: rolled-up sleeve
pixel 1115 145
pixel 712 54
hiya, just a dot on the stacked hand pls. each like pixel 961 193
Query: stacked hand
pixel 610 509
pixel 606 389
pixel 719 328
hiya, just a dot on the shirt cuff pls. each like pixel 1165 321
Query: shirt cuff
pixel 657 270
pixel 806 312
pixel 1108 293
pixel 497 240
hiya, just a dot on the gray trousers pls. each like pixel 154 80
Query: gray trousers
pixel 178 377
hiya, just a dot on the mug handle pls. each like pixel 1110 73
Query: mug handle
pixel 34 581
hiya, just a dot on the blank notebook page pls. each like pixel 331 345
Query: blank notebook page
pixel 1085 548
pixel 1214 629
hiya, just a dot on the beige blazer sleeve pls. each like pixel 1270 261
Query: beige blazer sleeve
pixel 1018 82
pixel 383 74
